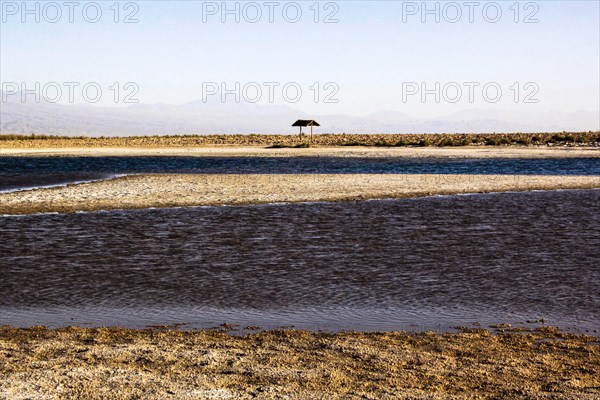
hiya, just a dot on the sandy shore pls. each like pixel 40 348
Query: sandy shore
pixel 78 363
pixel 144 191
pixel 253 151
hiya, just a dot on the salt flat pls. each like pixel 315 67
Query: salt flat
pixel 184 190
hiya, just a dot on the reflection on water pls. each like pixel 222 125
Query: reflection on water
pixel 18 172
pixel 444 260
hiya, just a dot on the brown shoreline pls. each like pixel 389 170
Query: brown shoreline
pixel 188 190
pixel 95 363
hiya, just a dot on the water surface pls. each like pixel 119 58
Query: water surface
pixel 378 265
pixel 20 172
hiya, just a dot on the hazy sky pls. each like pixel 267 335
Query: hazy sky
pixel 375 53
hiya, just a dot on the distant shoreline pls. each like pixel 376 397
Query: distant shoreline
pixel 561 139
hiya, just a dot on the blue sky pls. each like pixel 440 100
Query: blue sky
pixel 370 53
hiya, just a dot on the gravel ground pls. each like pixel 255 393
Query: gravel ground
pixel 115 363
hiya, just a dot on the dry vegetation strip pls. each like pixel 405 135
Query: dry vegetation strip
pixel 116 363
pixel 384 140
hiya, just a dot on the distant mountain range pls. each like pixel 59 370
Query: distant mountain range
pixel 244 118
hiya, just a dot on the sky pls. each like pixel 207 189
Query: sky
pixel 360 57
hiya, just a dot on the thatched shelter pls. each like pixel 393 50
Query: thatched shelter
pixel 306 122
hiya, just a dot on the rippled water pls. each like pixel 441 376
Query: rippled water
pixel 377 265
pixel 18 172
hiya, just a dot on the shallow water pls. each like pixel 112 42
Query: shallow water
pixel 409 264
pixel 18 172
